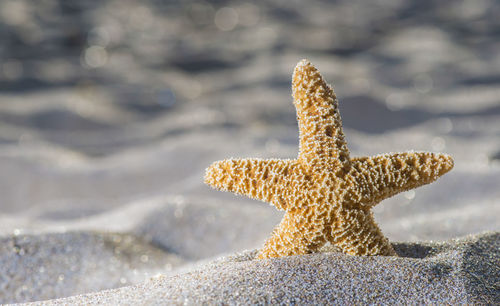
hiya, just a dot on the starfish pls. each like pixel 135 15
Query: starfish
pixel 326 194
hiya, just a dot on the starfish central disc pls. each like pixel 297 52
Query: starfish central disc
pixel 326 194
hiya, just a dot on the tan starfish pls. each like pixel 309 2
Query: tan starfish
pixel 327 195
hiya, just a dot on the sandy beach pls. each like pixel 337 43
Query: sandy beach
pixel 111 111
pixel 454 272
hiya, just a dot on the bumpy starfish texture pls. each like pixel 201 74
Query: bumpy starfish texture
pixel 327 195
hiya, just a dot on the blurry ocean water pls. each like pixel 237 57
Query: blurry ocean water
pixel 111 110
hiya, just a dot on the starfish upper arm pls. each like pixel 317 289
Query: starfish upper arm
pixel 320 125
pixel 383 176
pixel 266 180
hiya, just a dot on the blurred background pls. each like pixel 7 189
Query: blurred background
pixel 106 102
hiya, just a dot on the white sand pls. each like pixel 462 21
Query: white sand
pixel 456 272
pixel 45 266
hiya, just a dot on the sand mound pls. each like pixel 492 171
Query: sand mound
pixel 456 271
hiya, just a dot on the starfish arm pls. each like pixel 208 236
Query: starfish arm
pixel 322 140
pixel 355 232
pixel 269 180
pixel 294 236
pixel 380 177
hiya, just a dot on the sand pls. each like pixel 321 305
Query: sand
pixel 462 271
pixel 110 112
pixel 45 266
